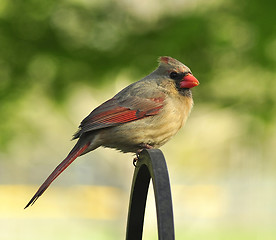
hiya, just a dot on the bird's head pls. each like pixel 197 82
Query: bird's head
pixel 177 71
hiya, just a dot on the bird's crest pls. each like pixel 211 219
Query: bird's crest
pixel 171 63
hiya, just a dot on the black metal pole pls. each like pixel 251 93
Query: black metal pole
pixel 151 165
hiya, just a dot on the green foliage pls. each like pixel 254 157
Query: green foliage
pixel 230 46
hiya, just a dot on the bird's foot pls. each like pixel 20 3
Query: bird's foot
pixel 135 160
pixel 143 146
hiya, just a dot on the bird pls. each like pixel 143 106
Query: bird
pixel 144 115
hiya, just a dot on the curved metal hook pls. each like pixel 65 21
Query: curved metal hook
pixel 151 165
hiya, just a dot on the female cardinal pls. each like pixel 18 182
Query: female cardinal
pixel 145 114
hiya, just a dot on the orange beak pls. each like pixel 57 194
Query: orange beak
pixel 189 81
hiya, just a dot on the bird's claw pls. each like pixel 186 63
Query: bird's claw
pixel 134 162
pixel 143 146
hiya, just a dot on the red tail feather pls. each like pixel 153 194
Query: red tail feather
pixel 58 170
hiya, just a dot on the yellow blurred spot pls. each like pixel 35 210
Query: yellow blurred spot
pixel 95 202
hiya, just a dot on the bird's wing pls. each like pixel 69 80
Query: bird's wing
pixel 118 111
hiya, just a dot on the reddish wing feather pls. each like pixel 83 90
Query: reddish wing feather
pixel 114 112
pixel 121 116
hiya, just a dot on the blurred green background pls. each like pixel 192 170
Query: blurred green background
pixel 60 59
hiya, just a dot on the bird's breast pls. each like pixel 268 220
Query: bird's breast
pixel 172 117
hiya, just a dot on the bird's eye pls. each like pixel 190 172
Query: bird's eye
pixel 173 75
